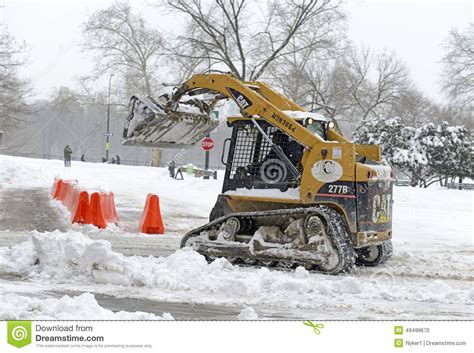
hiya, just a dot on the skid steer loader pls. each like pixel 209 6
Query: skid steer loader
pixel 295 192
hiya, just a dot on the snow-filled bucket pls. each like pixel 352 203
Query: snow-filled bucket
pixel 150 125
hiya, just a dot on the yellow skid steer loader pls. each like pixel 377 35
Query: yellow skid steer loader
pixel 295 192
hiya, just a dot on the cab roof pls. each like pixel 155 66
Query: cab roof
pixel 294 114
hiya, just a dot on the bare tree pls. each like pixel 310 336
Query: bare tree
pixel 456 114
pixel 458 70
pixel 350 87
pixel 124 44
pixel 294 73
pixel 413 108
pixel 246 36
pixel 14 91
pixel 326 85
pixel 375 81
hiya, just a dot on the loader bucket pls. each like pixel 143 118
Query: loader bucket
pixel 149 125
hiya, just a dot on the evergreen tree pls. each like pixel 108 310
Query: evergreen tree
pixel 426 154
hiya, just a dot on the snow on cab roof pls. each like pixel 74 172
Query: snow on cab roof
pixel 296 114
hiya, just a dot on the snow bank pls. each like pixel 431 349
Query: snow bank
pixel 247 314
pixel 185 276
pixel 82 307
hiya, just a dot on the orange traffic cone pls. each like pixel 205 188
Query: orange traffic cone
pixel 151 221
pixel 109 208
pixel 56 190
pixel 83 212
pixel 97 212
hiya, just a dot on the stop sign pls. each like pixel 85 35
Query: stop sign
pixel 207 144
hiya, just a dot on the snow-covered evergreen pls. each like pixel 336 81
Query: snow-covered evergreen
pixel 426 154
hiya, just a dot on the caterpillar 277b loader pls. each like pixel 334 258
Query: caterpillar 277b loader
pixel 295 192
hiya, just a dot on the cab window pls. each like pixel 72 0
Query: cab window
pixel 318 128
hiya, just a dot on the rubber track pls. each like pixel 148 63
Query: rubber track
pixel 337 231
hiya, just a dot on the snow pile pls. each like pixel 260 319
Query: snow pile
pixel 301 272
pixel 30 172
pixel 73 257
pixel 18 260
pixel 247 314
pixel 185 276
pixel 82 307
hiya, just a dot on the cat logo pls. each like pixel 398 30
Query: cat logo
pixel 382 218
pixel 381 208
pixel 240 99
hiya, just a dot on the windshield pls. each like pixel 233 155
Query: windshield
pixel 318 128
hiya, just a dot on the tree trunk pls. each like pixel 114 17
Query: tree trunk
pixel 434 181
pixel 155 152
pixel 155 157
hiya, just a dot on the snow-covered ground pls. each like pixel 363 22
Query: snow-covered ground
pixel 429 276
pixel 181 201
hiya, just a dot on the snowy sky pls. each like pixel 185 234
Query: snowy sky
pixel 415 29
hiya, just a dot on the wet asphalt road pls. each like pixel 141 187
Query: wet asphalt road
pixel 28 209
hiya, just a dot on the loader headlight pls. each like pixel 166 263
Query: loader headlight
pixel 331 124
pixel 308 121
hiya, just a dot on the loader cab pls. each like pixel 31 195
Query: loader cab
pixel 316 123
pixel 252 163
pixel 317 127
